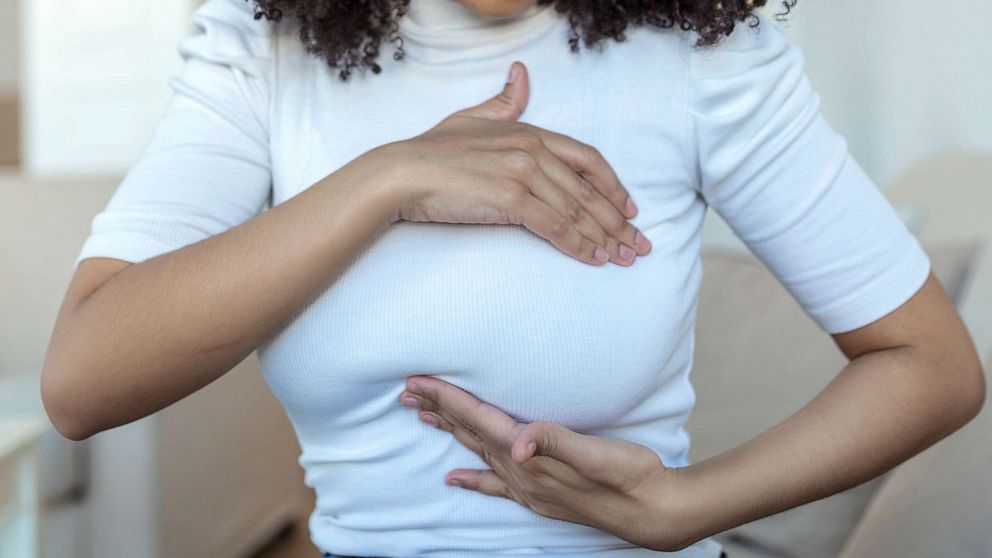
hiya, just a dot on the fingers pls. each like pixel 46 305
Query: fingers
pixel 431 414
pixel 510 102
pixel 531 171
pixel 462 409
pixel 588 161
pixel 551 225
pixel 556 441
pixel 486 482
pixel 598 219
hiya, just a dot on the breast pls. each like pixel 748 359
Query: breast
pixel 498 311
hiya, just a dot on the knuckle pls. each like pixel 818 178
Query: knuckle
pixel 560 227
pixel 520 162
pixel 616 224
pixel 594 468
pixel 591 155
pixel 586 193
pixel 575 211
pixel 515 193
pixel 527 140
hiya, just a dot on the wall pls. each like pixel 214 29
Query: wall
pixel 166 486
pixel 92 97
pixel 54 216
pixel 901 79
pixel 8 46
pixel 8 83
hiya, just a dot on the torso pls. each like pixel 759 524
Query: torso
pixel 494 309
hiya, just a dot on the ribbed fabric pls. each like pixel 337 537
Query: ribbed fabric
pixel 495 309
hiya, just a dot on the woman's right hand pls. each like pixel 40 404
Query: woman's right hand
pixel 479 165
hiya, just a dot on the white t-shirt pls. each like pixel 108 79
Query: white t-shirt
pixel 496 309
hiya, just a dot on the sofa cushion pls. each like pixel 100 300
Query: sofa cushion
pixel 759 358
pixel 939 503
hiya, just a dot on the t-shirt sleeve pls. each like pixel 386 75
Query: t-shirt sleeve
pixel 784 181
pixel 206 167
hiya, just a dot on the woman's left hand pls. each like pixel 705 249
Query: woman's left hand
pixel 611 484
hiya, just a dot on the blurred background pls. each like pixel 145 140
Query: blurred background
pixel 82 85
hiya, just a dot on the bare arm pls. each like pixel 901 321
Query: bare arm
pixel 914 377
pixel 131 339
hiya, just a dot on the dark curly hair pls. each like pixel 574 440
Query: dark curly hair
pixel 348 33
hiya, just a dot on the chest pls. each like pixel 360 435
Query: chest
pixel 628 100
pixel 495 308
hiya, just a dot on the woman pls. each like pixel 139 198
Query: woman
pixel 426 224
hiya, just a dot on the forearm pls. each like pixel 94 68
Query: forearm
pixel 161 329
pixel 884 407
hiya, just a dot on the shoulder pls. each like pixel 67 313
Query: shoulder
pixel 753 75
pixel 756 55
pixel 227 32
pixel 756 46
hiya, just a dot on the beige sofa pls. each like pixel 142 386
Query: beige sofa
pixel 172 485
pixel 938 504
pixel 746 378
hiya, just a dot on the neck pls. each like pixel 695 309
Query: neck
pixel 447 31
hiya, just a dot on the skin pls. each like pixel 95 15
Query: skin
pixel 353 41
pixel 117 354
pixel 497 8
pixel 913 377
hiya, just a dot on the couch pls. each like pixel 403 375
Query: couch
pixel 937 504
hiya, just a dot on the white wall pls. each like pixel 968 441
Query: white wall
pixel 898 78
pixel 95 80
pixel 8 46
pixel 901 79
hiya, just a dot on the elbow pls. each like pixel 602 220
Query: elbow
pixel 967 393
pixel 64 406
pixel 958 376
pixel 973 397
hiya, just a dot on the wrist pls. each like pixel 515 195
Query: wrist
pixel 669 506
pixel 375 177
pixel 389 166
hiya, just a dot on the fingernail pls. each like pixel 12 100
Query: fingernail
pixel 513 73
pixel 411 386
pixel 600 255
pixel 626 253
pixel 409 401
pixel 642 242
pixel 631 208
pixel 429 419
pixel 454 482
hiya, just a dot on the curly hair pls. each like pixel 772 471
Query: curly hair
pixel 348 34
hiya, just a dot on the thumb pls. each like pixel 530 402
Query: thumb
pixel 552 440
pixel 510 102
